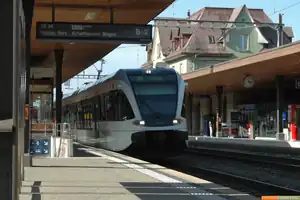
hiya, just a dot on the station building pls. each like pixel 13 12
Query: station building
pixel 262 89
pixel 234 70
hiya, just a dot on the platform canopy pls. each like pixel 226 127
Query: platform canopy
pixel 80 56
pixel 263 67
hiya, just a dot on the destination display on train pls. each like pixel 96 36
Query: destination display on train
pixel 94 32
pixel 146 78
pixel 152 78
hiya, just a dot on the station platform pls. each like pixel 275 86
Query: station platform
pixel 95 174
pixel 255 145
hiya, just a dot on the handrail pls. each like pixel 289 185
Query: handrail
pixel 63 128
pixel 45 127
pixel 66 133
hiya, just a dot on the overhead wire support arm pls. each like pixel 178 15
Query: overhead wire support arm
pixel 99 71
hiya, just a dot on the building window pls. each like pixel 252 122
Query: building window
pixel 177 43
pixel 244 42
pixel 211 39
pixel 186 38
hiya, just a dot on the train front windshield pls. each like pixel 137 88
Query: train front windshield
pixel 156 97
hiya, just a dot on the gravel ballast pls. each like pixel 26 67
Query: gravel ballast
pixel 255 171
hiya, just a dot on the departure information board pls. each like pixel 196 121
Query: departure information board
pixel 94 32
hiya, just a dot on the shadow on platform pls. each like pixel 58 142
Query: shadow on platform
pixel 151 191
pixel 77 152
pixel 186 191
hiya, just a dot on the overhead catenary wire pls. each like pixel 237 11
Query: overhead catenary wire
pixel 220 27
pixel 189 21
pixel 285 8
pixel 212 24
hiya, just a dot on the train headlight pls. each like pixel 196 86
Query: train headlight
pixel 175 121
pixel 148 71
pixel 139 122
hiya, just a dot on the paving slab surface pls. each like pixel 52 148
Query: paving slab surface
pixel 96 177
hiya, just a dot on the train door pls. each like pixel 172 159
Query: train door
pixel 294 121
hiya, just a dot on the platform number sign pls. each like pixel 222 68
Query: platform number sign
pixel 137 31
pixel 47 26
pixel 297 83
pixel 141 31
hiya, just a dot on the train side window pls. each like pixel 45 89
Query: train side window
pixel 96 109
pixel 85 114
pixel 108 107
pixel 88 113
pixel 100 107
pixel 84 117
pixel 119 106
pixel 73 112
pixel 126 112
pixel 80 117
pixel 91 113
pixel 84 109
pixel 64 114
pixel 112 107
pixel 103 108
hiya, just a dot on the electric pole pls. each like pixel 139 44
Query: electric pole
pixel 280 30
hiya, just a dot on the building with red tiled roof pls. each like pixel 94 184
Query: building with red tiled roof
pixel 214 35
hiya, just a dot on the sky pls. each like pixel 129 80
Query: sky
pixel 133 56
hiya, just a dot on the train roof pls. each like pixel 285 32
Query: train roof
pixel 67 95
pixel 105 78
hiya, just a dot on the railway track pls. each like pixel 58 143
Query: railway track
pixel 285 163
pixel 227 179
pixel 255 187
pixel 230 179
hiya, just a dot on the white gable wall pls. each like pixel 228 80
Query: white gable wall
pixel 181 66
pixel 157 55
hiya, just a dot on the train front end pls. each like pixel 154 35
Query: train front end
pixel 159 95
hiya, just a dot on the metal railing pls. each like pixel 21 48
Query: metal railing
pixel 46 125
pixel 62 129
pixel 62 132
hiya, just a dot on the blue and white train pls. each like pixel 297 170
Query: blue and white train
pixel 131 108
